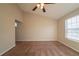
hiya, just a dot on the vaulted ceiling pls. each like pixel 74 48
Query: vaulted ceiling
pixel 54 11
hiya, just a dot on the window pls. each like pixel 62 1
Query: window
pixel 72 28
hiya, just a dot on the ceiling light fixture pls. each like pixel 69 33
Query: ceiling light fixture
pixel 38 5
pixel 41 6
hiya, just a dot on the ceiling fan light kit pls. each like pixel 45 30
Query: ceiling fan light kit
pixel 38 5
pixel 41 6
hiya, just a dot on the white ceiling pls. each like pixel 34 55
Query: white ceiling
pixel 54 11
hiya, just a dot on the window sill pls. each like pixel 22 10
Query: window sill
pixel 72 39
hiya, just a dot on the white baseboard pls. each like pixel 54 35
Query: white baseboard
pixel 7 50
pixel 69 46
pixel 37 40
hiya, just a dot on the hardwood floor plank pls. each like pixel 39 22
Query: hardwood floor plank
pixel 41 48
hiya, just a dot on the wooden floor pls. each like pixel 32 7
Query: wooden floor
pixel 41 48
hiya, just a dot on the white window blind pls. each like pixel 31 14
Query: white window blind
pixel 72 28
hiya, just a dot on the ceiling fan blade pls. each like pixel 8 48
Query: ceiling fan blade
pixel 44 9
pixel 49 3
pixel 34 8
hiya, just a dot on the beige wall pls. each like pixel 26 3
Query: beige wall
pixel 33 28
pixel 61 32
pixel 38 28
pixel 8 14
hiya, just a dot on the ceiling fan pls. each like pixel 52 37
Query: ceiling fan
pixel 41 6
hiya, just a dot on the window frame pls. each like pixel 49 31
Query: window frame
pixel 66 29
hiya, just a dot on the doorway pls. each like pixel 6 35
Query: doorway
pixel 17 30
